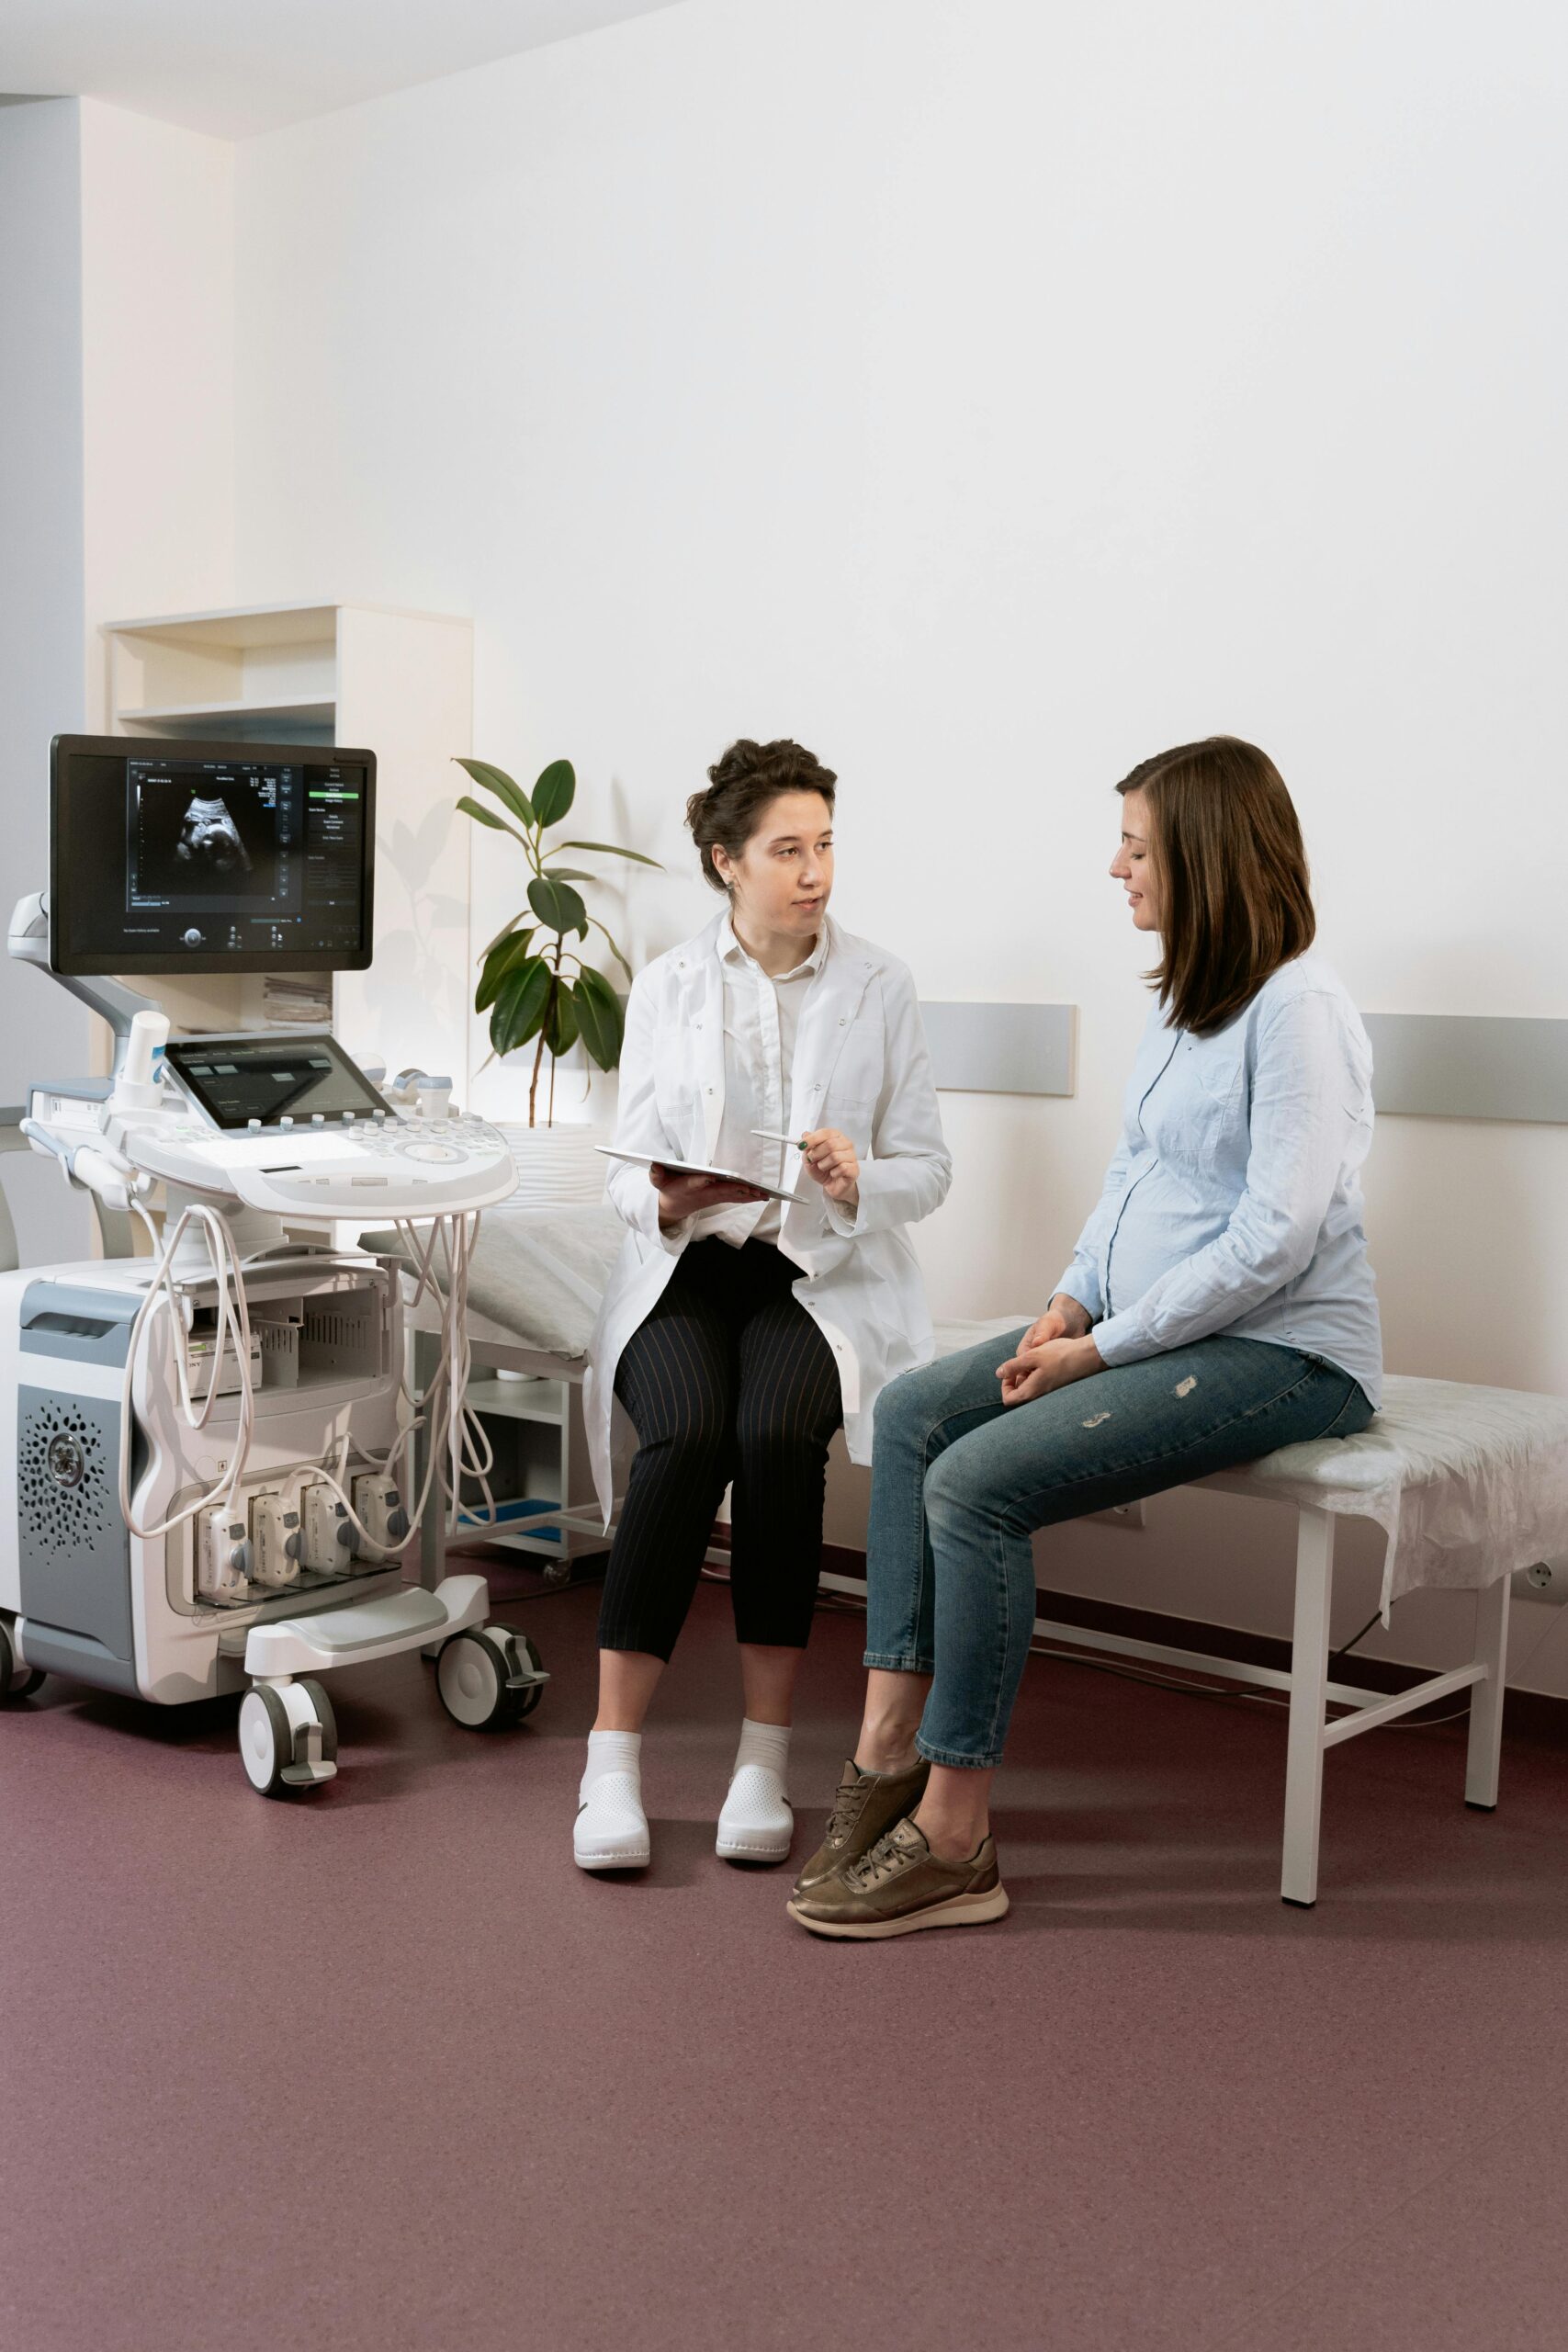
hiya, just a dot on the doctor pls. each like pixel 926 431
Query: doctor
pixel 739 1331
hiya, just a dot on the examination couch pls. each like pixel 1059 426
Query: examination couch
pixel 1468 1484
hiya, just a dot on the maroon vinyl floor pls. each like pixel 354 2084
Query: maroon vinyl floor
pixel 382 2069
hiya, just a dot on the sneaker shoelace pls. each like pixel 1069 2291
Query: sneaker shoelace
pixel 848 1806
pixel 885 1860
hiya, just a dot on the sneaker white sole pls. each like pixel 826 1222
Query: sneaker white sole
pixel 958 1911
pixel 637 1858
pixel 731 1848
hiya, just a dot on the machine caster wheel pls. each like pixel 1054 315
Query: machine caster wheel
pixel 472 1675
pixel 16 1682
pixel 323 1707
pixel 529 1661
pixel 267 1740
pixel 287 1743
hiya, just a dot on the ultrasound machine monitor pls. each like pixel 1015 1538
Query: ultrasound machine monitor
pixel 213 858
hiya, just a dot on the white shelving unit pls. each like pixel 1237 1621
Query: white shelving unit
pixel 398 684
pixel 535 1430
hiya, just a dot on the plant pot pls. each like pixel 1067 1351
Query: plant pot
pixel 557 1166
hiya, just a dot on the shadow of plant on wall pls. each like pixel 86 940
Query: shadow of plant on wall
pixel 538 989
pixel 416 953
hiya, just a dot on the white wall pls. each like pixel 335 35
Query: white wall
pixel 116 486
pixel 157 271
pixel 42 690
pixel 989 396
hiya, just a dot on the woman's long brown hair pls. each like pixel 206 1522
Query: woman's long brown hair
pixel 1236 895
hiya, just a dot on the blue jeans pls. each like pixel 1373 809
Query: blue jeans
pixel 960 1481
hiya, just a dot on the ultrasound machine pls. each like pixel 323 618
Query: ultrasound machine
pixel 214 1487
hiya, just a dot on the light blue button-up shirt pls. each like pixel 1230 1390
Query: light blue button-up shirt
pixel 1233 1204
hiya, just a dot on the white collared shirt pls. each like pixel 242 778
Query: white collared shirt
pixel 761 1017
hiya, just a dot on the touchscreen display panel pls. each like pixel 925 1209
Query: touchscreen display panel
pixel 236 1079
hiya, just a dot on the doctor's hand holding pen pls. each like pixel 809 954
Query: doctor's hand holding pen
pixel 830 1158
pixel 829 1155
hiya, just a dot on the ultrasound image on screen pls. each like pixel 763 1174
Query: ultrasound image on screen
pixel 248 857
pixel 206 842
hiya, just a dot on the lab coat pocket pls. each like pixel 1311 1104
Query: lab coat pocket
pixel 856 1080
pixel 675 1092
pixel 861 1059
pixel 852 1114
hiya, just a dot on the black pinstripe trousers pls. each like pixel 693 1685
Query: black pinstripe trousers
pixel 726 1379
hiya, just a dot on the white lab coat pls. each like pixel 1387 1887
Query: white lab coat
pixel 860 1065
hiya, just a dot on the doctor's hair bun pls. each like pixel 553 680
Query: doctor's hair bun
pixel 741 784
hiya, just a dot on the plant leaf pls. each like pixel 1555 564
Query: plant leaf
pixel 612 848
pixel 496 780
pixel 508 953
pixel 561 1028
pixel 614 949
pixel 554 792
pixel 570 874
pixel 485 817
pixel 507 928
pixel 520 1007
pixel 599 1020
pixel 557 904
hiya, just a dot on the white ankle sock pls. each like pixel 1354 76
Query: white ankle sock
pixel 611 1752
pixel 765 1743
pixel 611 1829
pixel 756 1825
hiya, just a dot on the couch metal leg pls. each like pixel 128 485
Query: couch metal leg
pixel 1486 1698
pixel 1309 1681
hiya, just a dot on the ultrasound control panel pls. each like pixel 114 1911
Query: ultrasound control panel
pixel 338 1150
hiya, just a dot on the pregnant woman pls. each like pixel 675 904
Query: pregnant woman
pixel 740 1328
pixel 1219 1303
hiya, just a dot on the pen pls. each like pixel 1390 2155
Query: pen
pixel 765 1135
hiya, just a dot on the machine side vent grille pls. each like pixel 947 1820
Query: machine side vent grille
pixel 342 1337
pixel 63 1479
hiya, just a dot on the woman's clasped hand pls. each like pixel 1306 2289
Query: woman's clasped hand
pixel 1055 1363
pixel 1055 1351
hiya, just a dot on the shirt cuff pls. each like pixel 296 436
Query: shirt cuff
pixel 1079 1284
pixel 1119 1340
pixel 843 1220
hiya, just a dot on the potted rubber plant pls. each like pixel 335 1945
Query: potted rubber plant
pixel 535 979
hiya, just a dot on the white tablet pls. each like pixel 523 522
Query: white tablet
pixel 690 1167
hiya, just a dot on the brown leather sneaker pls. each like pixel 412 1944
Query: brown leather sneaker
pixel 867 1804
pixel 900 1885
